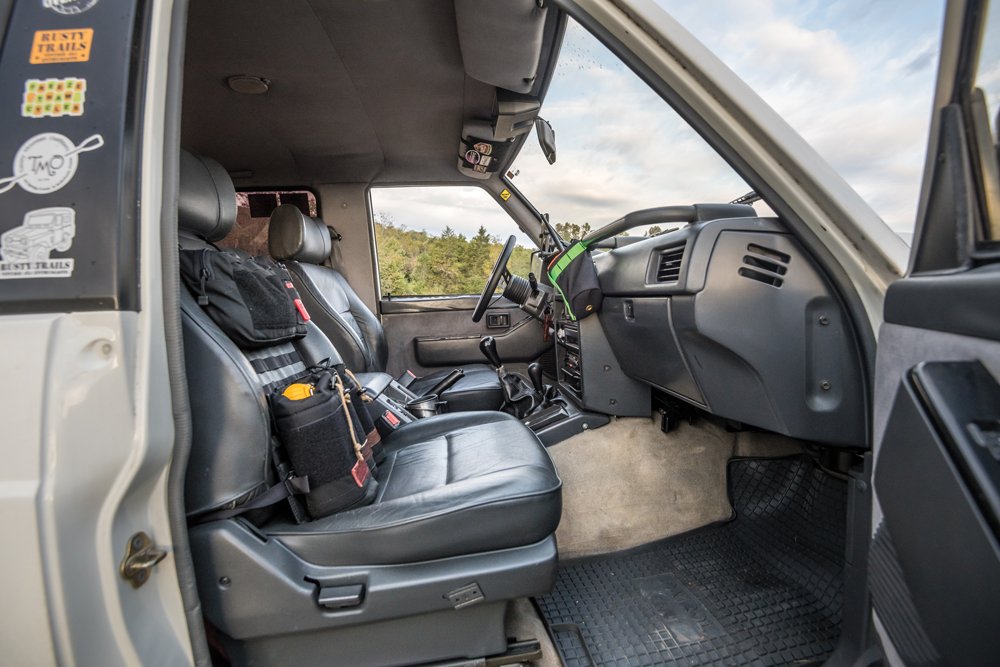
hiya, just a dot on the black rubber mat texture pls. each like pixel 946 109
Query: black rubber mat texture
pixel 763 589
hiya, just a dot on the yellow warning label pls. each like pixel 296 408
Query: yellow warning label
pixel 61 46
pixel 505 194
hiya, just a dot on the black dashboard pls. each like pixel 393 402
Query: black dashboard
pixel 730 315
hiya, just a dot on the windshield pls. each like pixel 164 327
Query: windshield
pixel 621 148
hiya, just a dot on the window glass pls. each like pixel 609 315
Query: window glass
pixel 441 240
pixel 988 81
pixel 620 147
pixel 253 211
pixel 855 78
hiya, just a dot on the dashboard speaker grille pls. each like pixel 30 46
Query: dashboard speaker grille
pixel 765 265
pixel 668 269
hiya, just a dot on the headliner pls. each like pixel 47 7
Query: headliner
pixel 361 91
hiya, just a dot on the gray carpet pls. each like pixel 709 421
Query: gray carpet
pixel 628 483
pixel 523 623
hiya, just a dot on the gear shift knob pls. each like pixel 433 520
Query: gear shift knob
pixel 488 346
pixel 535 375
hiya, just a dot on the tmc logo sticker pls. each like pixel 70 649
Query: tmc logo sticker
pixel 47 162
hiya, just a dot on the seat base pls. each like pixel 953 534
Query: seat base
pixel 270 613
pixel 474 632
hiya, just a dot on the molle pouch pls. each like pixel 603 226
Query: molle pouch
pixel 314 424
pixel 573 274
pixel 361 403
pixel 248 300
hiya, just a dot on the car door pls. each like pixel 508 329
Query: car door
pixel 934 566
pixel 87 571
pixel 435 247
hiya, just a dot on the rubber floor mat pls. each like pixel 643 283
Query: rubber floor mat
pixel 763 589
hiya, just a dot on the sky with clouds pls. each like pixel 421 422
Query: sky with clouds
pixel 853 77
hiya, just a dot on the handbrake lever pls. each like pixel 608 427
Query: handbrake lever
pixel 446 382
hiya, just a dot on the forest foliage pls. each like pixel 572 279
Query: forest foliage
pixel 418 263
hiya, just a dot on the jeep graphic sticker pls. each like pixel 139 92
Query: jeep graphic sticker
pixel 46 162
pixel 25 251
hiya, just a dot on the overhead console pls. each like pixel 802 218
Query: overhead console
pixel 733 316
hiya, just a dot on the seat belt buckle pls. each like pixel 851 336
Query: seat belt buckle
pixel 390 420
pixel 406 378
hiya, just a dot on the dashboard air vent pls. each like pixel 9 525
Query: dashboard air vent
pixel 765 265
pixel 668 268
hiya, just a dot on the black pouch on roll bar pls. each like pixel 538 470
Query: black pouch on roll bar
pixel 249 300
pixel 320 441
pixel 573 274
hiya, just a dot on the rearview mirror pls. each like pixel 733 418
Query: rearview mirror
pixel 546 139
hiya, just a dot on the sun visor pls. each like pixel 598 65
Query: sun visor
pixel 501 42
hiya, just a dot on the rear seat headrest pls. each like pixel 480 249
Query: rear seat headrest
pixel 206 202
pixel 294 236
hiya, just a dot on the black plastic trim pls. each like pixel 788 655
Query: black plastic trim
pixel 424 304
pixel 961 303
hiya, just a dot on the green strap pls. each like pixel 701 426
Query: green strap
pixel 571 253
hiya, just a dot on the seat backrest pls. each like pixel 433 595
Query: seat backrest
pixel 303 244
pixel 231 449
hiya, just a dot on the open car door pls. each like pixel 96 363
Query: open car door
pixel 934 566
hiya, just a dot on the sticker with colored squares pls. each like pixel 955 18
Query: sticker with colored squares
pixel 54 98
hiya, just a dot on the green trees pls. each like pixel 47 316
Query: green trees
pixel 416 263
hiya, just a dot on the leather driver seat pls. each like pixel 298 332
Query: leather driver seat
pixel 463 523
pixel 303 244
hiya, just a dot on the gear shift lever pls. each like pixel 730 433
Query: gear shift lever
pixel 535 375
pixel 488 346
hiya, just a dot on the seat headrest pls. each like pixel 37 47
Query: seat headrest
pixel 206 202
pixel 294 236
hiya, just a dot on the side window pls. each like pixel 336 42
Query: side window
pixel 438 241
pixel 253 211
pixel 985 112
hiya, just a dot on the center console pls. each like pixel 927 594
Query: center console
pixel 589 373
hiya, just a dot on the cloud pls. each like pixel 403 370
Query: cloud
pixel 854 78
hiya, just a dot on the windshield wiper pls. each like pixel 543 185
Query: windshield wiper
pixel 748 198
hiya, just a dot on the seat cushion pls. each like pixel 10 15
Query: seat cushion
pixel 452 484
pixel 479 388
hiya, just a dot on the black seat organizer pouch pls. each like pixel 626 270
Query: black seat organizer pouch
pixel 321 442
pixel 248 299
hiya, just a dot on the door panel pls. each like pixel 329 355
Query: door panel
pixel 934 564
pixel 934 573
pixel 427 334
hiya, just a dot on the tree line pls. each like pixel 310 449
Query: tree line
pixel 417 263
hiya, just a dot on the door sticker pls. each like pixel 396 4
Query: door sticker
pixel 53 97
pixel 24 250
pixel 47 162
pixel 68 7
pixel 505 194
pixel 61 46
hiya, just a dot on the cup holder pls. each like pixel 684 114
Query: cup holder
pixel 426 406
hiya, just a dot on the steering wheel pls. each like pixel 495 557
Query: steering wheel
pixel 499 271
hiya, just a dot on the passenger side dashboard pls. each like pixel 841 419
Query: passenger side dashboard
pixel 734 317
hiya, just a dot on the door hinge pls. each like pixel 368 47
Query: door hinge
pixel 141 554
